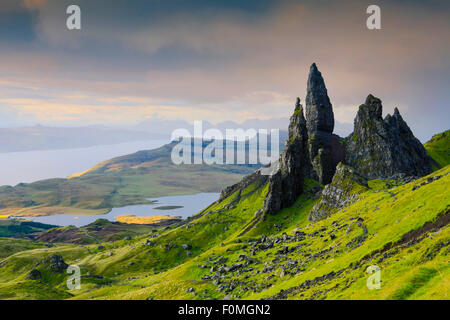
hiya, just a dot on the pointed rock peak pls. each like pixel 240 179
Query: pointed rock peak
pixel 371 109
pixel 297 124
pixel 392 149
pixel 370 100
pixel 319 112
pixel 315 79
pixel 298 106
pixel 298 111
pixel 399 119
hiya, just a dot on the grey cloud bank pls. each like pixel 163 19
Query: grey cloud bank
pixel 219 60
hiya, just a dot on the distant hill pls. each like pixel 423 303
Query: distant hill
pixel 121 181
pixel 99 231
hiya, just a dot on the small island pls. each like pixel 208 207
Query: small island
pixel 168 207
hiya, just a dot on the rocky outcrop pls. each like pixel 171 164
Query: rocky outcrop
pixel 381 148
pixel 325 147
pixel 377 148
pixel 286 183
pixel 345 188
pixel 55 263
pixel 34 275
pixel 255 177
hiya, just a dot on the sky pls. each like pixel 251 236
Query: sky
pixel 219 60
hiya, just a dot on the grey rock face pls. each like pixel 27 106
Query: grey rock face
pixel 287 183
pixel 345 188
pixel 380 148
pixel 326 151
pixel 319 112
pixel 325 148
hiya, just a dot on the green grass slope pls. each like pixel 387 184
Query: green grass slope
pixel 234 252
pixel 438 149
pixel 10 246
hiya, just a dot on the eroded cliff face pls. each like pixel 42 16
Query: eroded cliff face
pixel 381 148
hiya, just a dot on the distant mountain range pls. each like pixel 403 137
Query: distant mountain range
pixel 50 138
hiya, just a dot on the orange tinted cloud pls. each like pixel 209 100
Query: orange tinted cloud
pixel 34 4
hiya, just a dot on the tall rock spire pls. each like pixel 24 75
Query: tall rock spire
pixel 319 112
pixel 324 147
pixel 286 184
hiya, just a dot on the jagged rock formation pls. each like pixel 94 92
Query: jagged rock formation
pixel 377 148
pixel 286 183
pixel 380 148
pixel 345 188
pixel 325 148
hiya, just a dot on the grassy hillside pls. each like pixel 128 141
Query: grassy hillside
pixel 439 149
pixel 230 250
pixel 11 246
pixel 100 231
pixel 118 182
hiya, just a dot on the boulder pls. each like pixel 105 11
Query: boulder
pixel 34 275
pixel 56 263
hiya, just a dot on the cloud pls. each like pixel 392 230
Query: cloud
pixel 345 113
pixel 34 4
pixel 218 61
